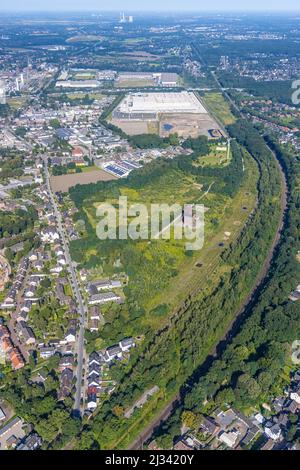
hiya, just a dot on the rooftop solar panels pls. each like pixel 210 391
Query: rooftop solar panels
pixel 132 164
pixel 115 170
pixel 122 168
pixel 126 165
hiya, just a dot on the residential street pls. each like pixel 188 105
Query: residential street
pixel 77 294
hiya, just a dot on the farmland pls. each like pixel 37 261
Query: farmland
pixel 137 83
pixel 65 182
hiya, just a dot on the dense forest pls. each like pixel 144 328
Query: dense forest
pixel 17 222
pixel 11 164
pixel 36 402
pixel 277 91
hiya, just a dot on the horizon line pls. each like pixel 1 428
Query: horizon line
pixel 34 10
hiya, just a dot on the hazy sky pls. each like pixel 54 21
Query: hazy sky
pixel 139 5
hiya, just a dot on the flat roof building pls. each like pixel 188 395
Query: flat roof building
pixel 78 84
pixel 150 105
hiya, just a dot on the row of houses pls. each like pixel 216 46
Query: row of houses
pixel 96 318
pixel 60 346
pixel 11 298
pixel 66 368
pixel 94 376
pixel 9 349
pixel 117 351
pixel 100 292
pixel 228 428
pixel 30 297
pixel 95 371
pixel 14 436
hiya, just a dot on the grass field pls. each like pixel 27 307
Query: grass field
pixel 218 156
pixel 17 102
pixel 134 83
pixel 80 96
pixel 85 76
pixel 219 107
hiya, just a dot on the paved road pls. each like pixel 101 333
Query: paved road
pixel 75 286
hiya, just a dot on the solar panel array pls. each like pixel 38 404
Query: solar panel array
pixel 122 168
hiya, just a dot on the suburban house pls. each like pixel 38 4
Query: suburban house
pixel 49 235
pixel 295 295
pixel 16 359
pixel 71 335
pixel 209 426
pixel 92 401
pixel 94 359
pixel 126 344
pixel 273 432
pixel 66 384
pixel 66 362
pixel 47 351
pixel 26 332
pixel 104 298
pixel 31 442
pixel 114 352
pixel 229 438
pixel 295 395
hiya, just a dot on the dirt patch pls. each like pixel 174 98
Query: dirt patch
pixel 187 125
pixel 64 182
pixel 134 83
pixel 135 55
pixel 132 127
pixel 198 186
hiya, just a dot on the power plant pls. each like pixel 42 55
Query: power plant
pixel 126 19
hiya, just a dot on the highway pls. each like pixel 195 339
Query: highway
pixel 77 294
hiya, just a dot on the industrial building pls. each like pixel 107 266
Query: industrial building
pixel 163 79
pixel 77 84
pixel 149 105
pixel 168 79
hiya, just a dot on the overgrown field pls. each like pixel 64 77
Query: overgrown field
pixel 161 272
pixel 219 107
pixel 183 342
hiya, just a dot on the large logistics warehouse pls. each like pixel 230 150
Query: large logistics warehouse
pixel 150 105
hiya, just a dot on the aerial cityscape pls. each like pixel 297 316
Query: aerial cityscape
pixel 149 228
